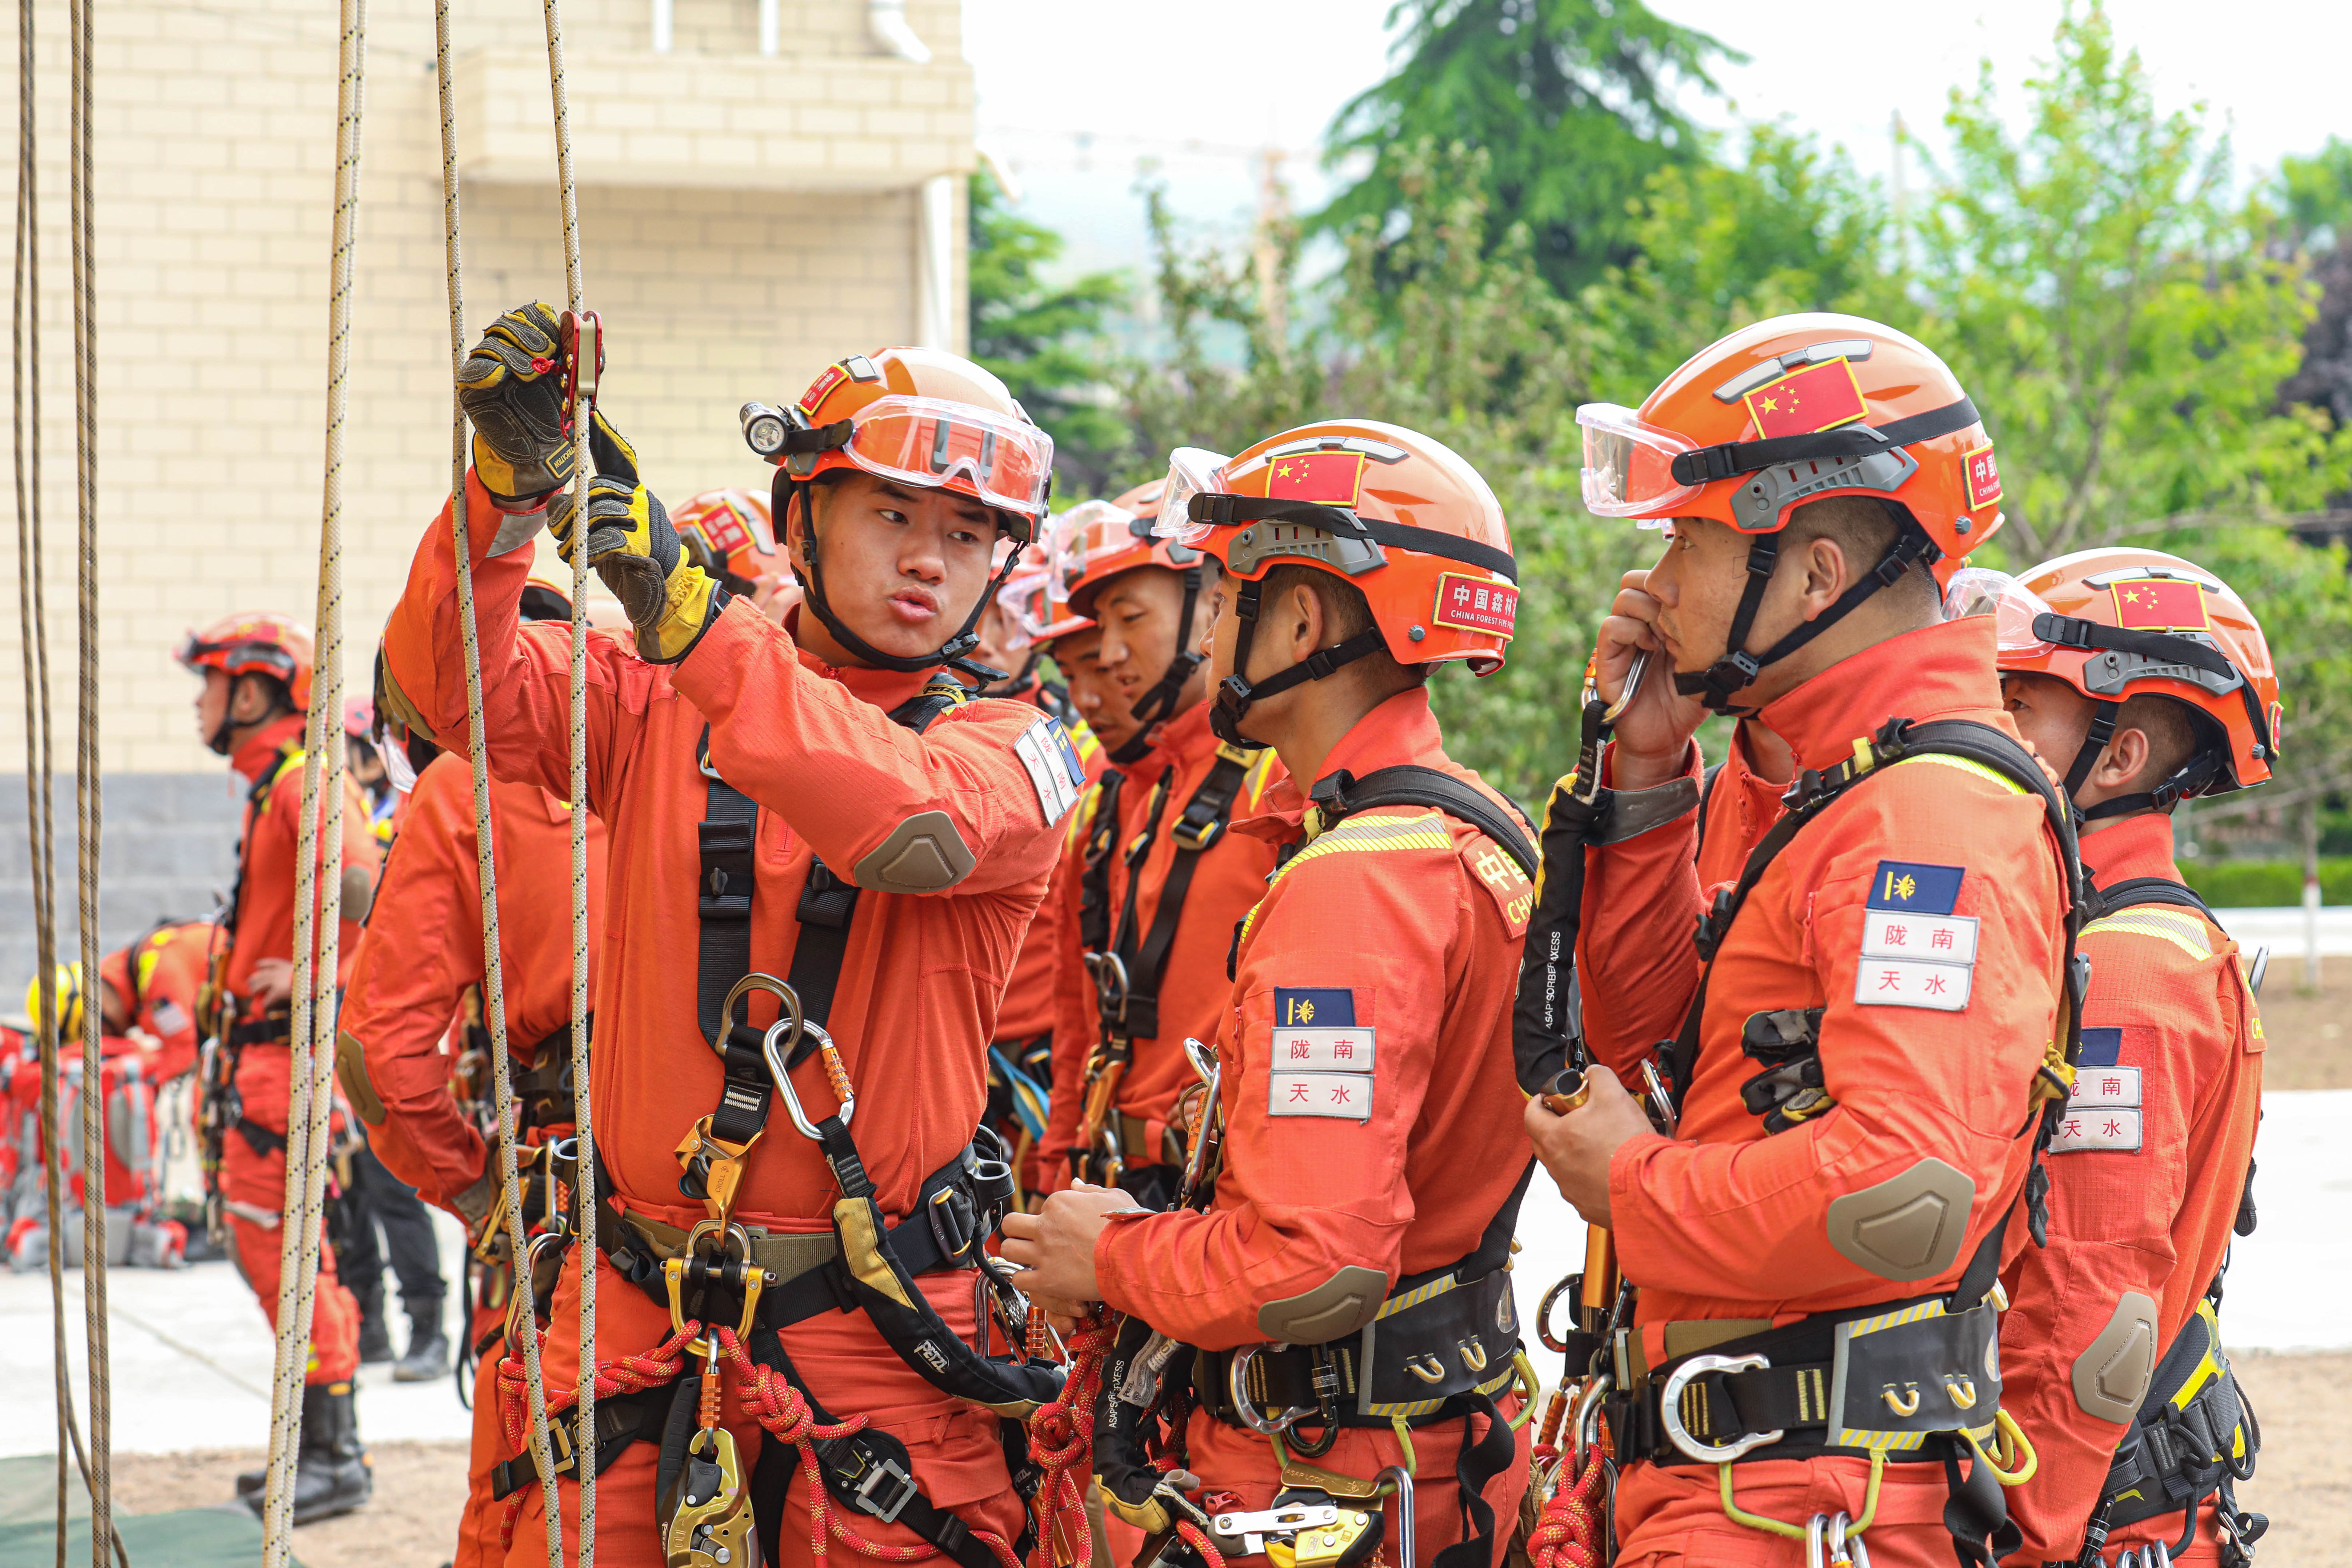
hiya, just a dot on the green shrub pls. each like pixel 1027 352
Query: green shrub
pixel 2236 884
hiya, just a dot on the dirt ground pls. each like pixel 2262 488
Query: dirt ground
pixel 2309 1033
pixel 2305 1403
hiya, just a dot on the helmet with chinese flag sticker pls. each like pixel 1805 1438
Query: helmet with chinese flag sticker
pixel 922 417
pixel 1783 413
pixel 1398 515
pixel 2118 623
pixel 1096 540
pixel 252 642
pixel 727 532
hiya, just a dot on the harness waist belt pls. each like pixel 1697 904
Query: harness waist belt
pixel 1428 1345
pixel 1878 1379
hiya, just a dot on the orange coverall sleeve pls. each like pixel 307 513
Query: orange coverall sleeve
pixel 1075 1017
pixel 1299 1196
pixel 526 671
pixel 423 947
pixel 1750 1219
pixel 845 778
pixel 2117 1217
pixel 1637 965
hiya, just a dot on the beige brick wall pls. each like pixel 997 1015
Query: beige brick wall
pixel 724 268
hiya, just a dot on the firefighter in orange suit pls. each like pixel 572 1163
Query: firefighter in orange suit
pixel 255 669
pixel 2148 681
pixel 154 986
pixel 1865 1033
pixel 1016 632
pixel 422 955
pixel 1149 890
pixel 802 802
pixel 1364 1047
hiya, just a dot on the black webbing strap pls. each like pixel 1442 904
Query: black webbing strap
pixel 1708 463
pixel 1094 876
pixel 2160 647
pixel 1200 824
pixel 621 1420
pixel 1341 795
pixel 2132 891
pixel 1222 510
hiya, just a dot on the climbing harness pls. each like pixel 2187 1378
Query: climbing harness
pixel 1441 1346
pixel 1115 1147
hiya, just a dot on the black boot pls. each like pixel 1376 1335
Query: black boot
pixel 428 1348
pixel 331 1474
pixel 376 1338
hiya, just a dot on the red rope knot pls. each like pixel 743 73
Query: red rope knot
pixel 1570 1531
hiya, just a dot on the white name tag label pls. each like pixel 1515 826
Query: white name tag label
pixel 1944 939
pixel 2085 1131
pixel 1346 1095
pixel 1053 770
pixel 1904 983
pixel 1323 1050
pixel 2105 1088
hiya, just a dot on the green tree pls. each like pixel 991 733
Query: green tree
pixel 1045 340
pixel 1574 101
pixel 2092 277
pixel 2315 195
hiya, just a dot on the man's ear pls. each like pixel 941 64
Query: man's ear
pixel 2120 766
pixel 795 521
pixel 1828 573
pixel 1302 619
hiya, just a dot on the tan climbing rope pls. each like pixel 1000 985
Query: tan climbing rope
pixel 87 810
pixel 584 1201
pixel 317 903
pixel 494 988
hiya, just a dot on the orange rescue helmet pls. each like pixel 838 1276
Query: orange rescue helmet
pixel 1096 540
pixel 2117 623
pixel 915 417
pixel 729 534
pixel 1789 411
pixel 1396 513
pixel 255 642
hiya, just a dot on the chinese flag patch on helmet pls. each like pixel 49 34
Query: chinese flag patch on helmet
pixel 2154 605
pixel 1326 479
pixel 1802 403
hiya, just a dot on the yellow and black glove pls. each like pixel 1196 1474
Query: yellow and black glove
pixel 513 388
pixel 670 601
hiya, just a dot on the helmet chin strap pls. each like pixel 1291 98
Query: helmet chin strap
pixel 1158 705
pixel 1717 685
pixel 951 654
pixel 2191 778
pixel 221 742
pixel 1235 693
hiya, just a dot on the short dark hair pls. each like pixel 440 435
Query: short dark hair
pixel 2175 733
pixel 1864 529
pixel 1344 606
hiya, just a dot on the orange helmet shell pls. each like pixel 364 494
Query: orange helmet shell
pixel 1691 449
pixel 1430 607
pixel 730 528
pixel 2149 591
pixel 1095 541
pixel 1005 441
pixel 255 642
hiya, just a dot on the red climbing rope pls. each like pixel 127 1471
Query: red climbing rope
pixel 1062 1443
pixel 1571 1530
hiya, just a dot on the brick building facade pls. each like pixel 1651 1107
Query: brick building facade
pixel 765 184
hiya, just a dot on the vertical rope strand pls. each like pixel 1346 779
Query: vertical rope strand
pixel 584 1197
pixel 318 895
pixel 88 809
pixel 494 988
pixel 40 824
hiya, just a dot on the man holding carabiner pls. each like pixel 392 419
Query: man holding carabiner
pixel 811 801
pixel 1336 1312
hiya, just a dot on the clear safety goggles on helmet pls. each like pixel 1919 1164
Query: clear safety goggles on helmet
pixel 192 653
pixel 930 441
pixel 1089 533
pixel 1191 471
pixel 1981 591
pixel 1022 603
pixel 1628 464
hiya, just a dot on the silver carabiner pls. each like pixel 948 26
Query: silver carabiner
pixel 1543 1313
pixel 775 1053
pixel 1404 1479
pixel 1817 1531
pixel 788 1003
pixel 1670 1415
pixel 1587 1414
pixel 1109 971
pixel 1631 688
pixel 1845 1550
pixel 1237 1390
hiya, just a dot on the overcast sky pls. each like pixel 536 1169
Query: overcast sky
pixel 1075 93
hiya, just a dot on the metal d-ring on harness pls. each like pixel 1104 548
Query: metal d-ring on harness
pixel 1828 1384
pixel 1126 971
